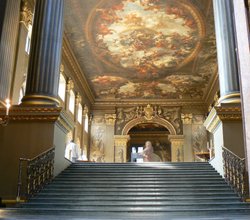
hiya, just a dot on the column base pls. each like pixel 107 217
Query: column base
pixel 40 100
pixel 233 98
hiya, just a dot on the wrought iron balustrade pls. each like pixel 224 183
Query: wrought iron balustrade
pixel 39 171
pixel 235 172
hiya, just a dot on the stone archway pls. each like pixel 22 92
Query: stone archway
pixel 155 120
pixel 176 146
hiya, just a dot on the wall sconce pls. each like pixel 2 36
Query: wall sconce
pixel 5 119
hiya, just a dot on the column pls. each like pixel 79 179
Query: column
pixel 45 54
pixel 177 148
pixel 9 24
pixel 21 65
pixel 243 42
pixel 121 148
pixel 226 51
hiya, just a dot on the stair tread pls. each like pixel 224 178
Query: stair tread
pixel 137 188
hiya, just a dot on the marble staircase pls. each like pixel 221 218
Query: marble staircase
pixel 124 191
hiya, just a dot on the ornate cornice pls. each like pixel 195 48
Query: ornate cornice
pixel 101 104
pixel 27 113
pixel 222 113
pixel 70 57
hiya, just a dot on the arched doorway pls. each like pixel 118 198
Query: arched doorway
pixel 148 131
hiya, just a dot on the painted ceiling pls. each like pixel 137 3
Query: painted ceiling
pixel 143 49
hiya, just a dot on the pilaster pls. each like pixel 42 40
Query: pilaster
pixel 177 148
pixel 8 42
pixel 121 148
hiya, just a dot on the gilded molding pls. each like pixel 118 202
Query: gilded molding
pixel 39 100
pixel 70 57
pixel 230 98
pixel 121 140
pixel 22 113
pixel 222 113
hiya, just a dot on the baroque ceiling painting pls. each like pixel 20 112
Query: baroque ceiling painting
pixel 142 49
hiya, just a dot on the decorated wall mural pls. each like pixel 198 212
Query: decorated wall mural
pixel 130 49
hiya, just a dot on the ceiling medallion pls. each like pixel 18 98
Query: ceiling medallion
pixel 144 36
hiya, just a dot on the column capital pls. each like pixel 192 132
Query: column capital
pixel 26 15
pixel 187 118
pixel 110 119
pixel 176 138
pixel 120 142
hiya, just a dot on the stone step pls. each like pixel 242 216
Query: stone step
pixel 137 186
pixel 144 209
pixel 136 193
pixel 188 199
pixel 133 203
pixel 138 182
pixel 133 178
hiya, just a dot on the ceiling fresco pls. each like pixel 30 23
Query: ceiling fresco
pixel 143 49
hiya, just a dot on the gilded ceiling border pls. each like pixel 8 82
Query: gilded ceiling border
pixel 70 57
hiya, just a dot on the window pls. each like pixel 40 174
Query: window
pixel 86 123
pixel 28 40
pixel 86 119
pixel 79 113
pixel 62 87
pixel 22 92
pixel 72 102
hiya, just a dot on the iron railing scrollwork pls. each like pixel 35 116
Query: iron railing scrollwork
pixel 235 172
pixel 39 171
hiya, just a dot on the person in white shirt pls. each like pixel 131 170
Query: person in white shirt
pixel 72 151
